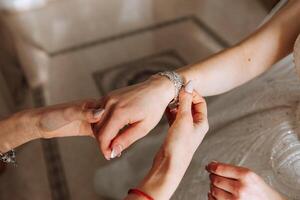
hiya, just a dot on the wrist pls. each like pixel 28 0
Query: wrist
pixel 164 176
pixel 165 87
pixel 27 121
pixel 17 130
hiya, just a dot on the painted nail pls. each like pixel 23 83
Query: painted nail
pixel 189 87
pixel 213 166
pixel 98 112
pixel 116 151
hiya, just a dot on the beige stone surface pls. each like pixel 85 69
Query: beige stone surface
pixel 27 181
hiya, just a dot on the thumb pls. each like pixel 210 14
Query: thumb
pixel 185 100
pixel 89 115
pixel 126 138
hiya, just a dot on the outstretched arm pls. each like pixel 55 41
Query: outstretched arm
pixel 71 119
pixel 139 108
pixel 249 58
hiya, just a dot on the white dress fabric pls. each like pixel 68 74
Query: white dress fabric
pixel 256 125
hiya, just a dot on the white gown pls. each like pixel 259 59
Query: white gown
pixel 256 126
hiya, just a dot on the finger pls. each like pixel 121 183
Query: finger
pixel 113 122
pixel 93 115
pixel 226 184
pixel 171 115
pixel 210 197
pixel 220 194
pixel 185 101
pixel 78 112
pixel 199 108
pixel 126 138
pixel 226 170
pixel 90 111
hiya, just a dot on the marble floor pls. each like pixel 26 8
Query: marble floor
pixel 73 49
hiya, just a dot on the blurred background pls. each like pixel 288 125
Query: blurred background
pixel 52 51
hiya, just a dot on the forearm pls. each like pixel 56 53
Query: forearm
pixel 251 57
pixel 164 177
pixel 17 130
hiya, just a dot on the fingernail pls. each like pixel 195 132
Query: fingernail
pixel 213 166
pixel 189 87
pixel 98 112
pixel 116 151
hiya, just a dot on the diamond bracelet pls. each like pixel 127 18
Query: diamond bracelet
pixel 8 157
pixel 176 79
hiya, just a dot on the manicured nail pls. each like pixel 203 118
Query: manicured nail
pixel 116 151
pixel 98 112
pixel 213 166
pixel 189 87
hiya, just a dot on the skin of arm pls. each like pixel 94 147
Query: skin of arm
pixel 16 130
pixel 249 58
pixel 69 119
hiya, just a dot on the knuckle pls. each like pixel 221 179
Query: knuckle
pixel 237 189
pixel 119 107
pixel 118 114
pixel 110 100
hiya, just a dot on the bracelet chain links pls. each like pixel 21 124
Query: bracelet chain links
pixel 176 79
pixel 8 157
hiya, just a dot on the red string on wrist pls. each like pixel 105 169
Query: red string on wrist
pixel 140 193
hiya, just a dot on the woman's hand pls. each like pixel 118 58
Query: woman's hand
pixel 231 182
pixel 188 127
pixel 131 113
pixel 188 124
pixel 70 119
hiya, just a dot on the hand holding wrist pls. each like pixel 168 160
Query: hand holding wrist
pixel 184 136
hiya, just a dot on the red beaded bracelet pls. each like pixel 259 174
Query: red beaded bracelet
pixel 140 193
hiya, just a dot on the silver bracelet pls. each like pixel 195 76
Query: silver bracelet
pixel 8 157
pixel 176 79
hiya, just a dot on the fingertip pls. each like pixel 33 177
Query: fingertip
pixel 103 149
pixel 116 150
pixel 186 91
pixel 106 154
pixel 189 87
pixel 97 114
pixel 211 167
